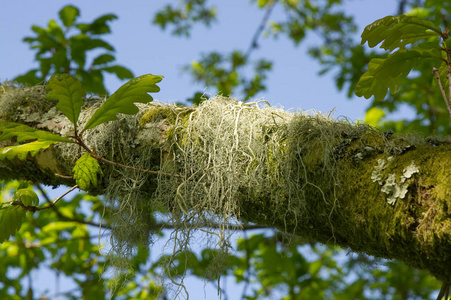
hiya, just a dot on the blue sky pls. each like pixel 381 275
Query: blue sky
pixel 144 48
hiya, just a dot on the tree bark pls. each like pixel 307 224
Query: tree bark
pixel 323 180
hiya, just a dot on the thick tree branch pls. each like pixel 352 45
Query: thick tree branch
pixel 323 180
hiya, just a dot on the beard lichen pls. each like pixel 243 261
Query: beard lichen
pixel 230 162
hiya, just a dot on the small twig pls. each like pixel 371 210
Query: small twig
pixel 442 90
pixel 63 176
pixel 100 158
pixel 58 199
pixel 36 208
pixel 62 216
pixel 254 42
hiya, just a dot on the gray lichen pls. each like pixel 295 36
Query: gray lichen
pixel 395 189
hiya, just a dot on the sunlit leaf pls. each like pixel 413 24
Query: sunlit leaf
pixel 21 151
pixel 387 73
pixel 85 171
pixel 25 133
pixel 373 116
pixel 59 226
pixel 122 101
pixel 69 92
pixel 398 31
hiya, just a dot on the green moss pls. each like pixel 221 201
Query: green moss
pixel 416 228
pixel 168 113
pixel 156 114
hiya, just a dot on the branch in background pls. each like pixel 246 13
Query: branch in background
pixel 158 226
pixel 66 218
pixel 261 27
pixel 442 90
pixel 51 203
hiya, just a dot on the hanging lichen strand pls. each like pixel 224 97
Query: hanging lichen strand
pixel 248 161
pixel 223 149
pixel 229 152
pixel 305 174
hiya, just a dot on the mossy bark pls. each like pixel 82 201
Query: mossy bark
pixel 329 195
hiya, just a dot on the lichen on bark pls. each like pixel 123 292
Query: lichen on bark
pixel 232 162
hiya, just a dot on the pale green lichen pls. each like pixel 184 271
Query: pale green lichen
pixel 409 171
pixel 376 175
pixel 395 189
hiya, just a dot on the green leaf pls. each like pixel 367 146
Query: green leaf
pixel 69 92
pixel 98 26
pixel 21 151
pixel 121 72
pixel 136 90
pixel 92 81
pixel 27 197
pixel 68 15
pixel 387 73
pixel 398 31
pixel 81 44
pixel 10 221
pixel 25 133
pixel 85 171
pixel 103 59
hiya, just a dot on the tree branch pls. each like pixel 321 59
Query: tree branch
pixel 254 43
pixel 320 179
pixel 37 208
